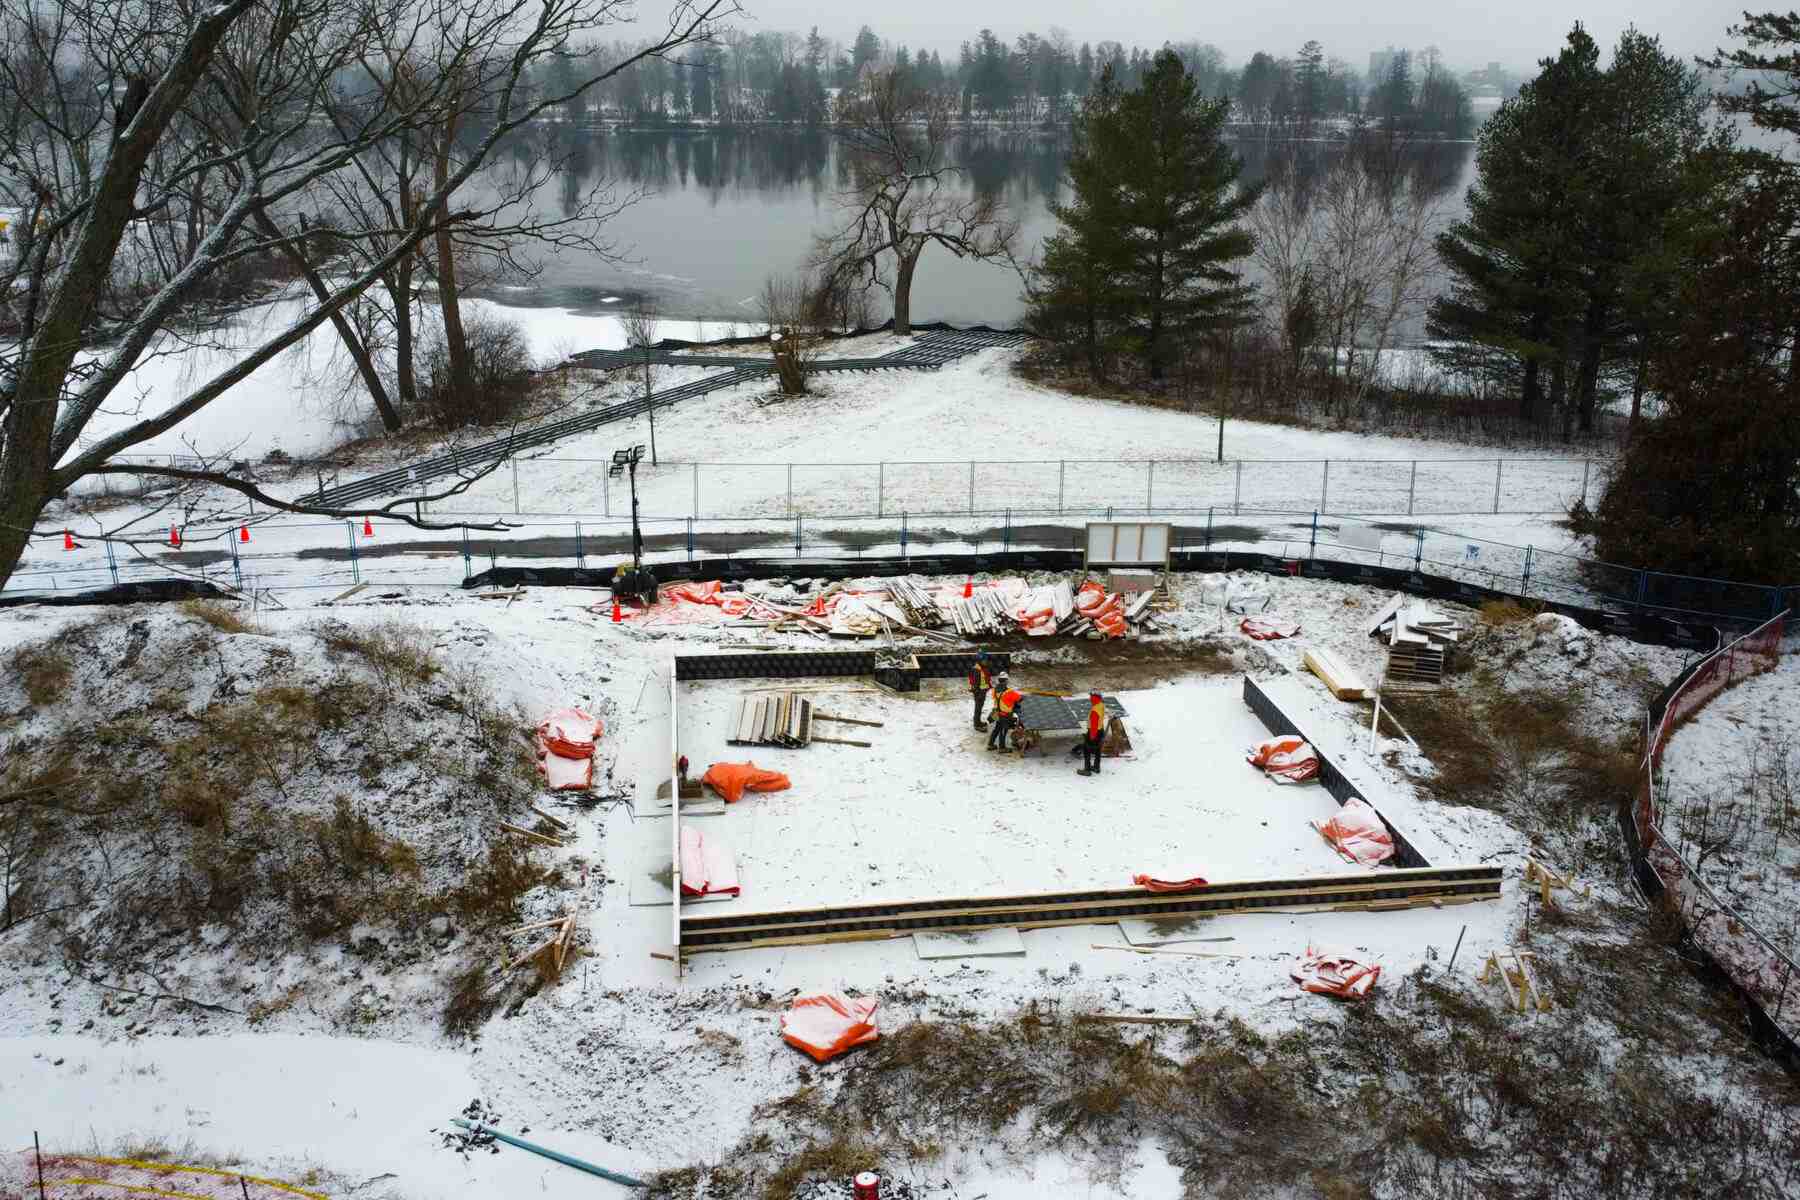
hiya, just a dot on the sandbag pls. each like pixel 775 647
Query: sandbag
pixel 1169 881
pixel 1267 628
pixel 1358 833
pixel 1285 759
pixel 732 780
pixel 825 1024
pixel 1334 974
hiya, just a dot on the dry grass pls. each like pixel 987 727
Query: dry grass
pixel 1417 1092
pixel 44 670
pixel 396 650
pixel 1505 612
pixel 220 617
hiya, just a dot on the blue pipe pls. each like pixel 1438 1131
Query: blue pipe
pixel 555 1156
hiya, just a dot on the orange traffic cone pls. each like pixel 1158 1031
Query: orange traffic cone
pixel 368 529
pixel 174 537
pixel 617 616
pixel 243 533
pixel 968 588
pixel 68 540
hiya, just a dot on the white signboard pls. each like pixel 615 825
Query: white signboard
pixel 1128 544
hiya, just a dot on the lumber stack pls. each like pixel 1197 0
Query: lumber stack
pixel 1339 677
pixel 982 615
pixel 773 719
pixel 1420 640
pixel 918 605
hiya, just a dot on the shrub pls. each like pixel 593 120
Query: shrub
pixel 500 369
pixel 43 671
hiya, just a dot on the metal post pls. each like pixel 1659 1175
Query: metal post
pixel 690 532
pixel 696 490
pixel 902 533
pixel 468 566
pixel 1209 527
pixel 1312 548
pixel 580 558
pixel 1237 495
pixel 1525 577
pixel 1062 467
pixel 112 562
pixel 1006 537
pixel 790 506
pixel 1643 585
pixel 355 571
pixel 880 487
pixel 37 1151
pixel 971 488
pixel 515 470
pixel 605 496
pixel 796 535
pixel 1412 486
pixel 1418 547
pixel 237 569
pixel 1150 487
pixel 1325 487
pixel 1587 465
pixel 1499 466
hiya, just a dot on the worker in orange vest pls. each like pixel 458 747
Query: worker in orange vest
pixel 1096 733
pixel 980 680
pixel 1005 701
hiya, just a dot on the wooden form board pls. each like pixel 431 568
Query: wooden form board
pixel 1340 678
pixel 675 824
pixel 1128 544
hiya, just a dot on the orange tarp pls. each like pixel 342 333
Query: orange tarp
pixel 731 780
pixel 825 1024
pixel 1286 759
pixel 1335 974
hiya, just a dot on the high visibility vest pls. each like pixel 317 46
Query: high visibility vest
pixel 1008 700
pixel 1096 718
pixel 980 678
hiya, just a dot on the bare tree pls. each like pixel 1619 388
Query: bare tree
pixel 905 194
pixel 97 102
pixel 639 323
pixel 797 313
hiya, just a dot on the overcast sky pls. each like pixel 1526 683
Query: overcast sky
pixel 1515 32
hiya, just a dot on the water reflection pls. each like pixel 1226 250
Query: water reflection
pixel 726 209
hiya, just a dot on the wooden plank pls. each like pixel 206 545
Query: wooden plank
pixel 521 831
pixel 843 742
pixel 347 593
pixel 1383 613
pixel 1136 1019
pixel 819 716
pixel 1340 679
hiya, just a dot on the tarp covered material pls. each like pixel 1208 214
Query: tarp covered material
pixel 1105 609
pixel 1170 881
pixel 565 749
pixel 825 1024
pixel 708 867
pixel 732 780
pixel 569 732
pixel 1357 833
pixel 1334 974
pixel 1268 628
pixel 1286 759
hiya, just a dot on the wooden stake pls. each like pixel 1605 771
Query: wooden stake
pixel 528 955
pixel 819 716
pixel 560 824
pixel 530 833
pixel 843 742
pixel 1130 1019
pixel 38 1151
pixel 532 926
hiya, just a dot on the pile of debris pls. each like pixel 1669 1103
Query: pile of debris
pixel 916 604
pixel 1419 639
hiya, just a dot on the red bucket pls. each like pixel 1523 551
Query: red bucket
pixel 867 1186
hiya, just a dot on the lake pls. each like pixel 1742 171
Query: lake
pixel 723 210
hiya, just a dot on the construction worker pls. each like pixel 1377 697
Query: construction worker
pixel 1096 733
pixel 981 678
pixel 1005 701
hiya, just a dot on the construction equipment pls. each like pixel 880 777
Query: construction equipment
pixel 636 582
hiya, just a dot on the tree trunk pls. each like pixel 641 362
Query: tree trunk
pixel 1637 392
pixel 359 353
pixel 24 470
pixel 903 279
pixel 456 343
pixel 400 292
pixel 1559 396
pixel 1587 387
